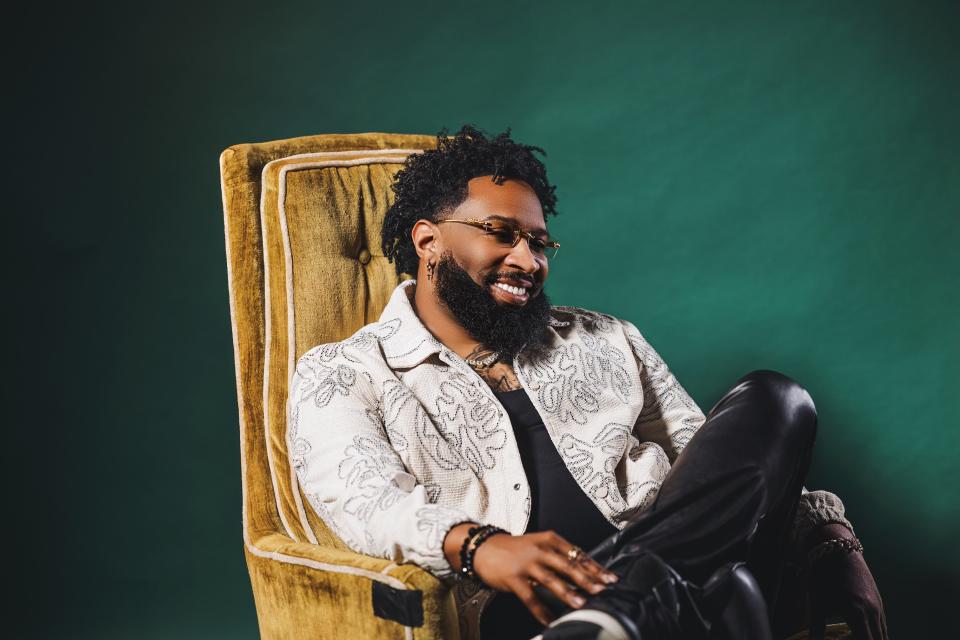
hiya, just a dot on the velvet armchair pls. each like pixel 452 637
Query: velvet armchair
pixel 302 222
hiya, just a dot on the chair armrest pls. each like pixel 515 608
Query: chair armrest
pixel 307 590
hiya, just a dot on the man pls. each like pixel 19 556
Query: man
pixel 474 401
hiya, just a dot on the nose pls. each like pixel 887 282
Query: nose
pixel 523 258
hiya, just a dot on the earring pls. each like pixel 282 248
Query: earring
pixel 430 267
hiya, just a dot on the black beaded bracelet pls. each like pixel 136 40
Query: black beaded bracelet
pixel 472 531
pixel 481 536
pixel 475 536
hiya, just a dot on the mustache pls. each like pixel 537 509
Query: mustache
pixel 517 279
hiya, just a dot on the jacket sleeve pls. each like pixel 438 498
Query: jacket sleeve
pixel 669 415
pixel 350 472
pixel 815 509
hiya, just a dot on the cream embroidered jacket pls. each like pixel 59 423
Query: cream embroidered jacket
pixel 395 439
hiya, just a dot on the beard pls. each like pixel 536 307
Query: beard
pixel 500 327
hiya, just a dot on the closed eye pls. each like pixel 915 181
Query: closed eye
pixel 538 245
pixel 501 234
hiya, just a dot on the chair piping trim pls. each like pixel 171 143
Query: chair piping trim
pixel 253 549
pixel 268 343
pixel 365 152
pixel 288 259
pixel 236 349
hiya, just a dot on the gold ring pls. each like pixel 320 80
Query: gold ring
pixel 574 553
pixel 532 582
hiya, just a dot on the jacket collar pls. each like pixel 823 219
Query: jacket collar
pixel 406 341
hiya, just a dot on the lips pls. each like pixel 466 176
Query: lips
pixel 511 296
pixel 516 282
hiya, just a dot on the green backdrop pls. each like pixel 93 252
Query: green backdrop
pixel 753 184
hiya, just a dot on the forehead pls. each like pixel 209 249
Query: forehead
pixel 514 200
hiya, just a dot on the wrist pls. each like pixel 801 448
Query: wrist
pixel 827 545
pixel 453 542
pixel 828 531
pixel 476 536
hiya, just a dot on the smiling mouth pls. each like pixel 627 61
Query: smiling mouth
pixel 513 295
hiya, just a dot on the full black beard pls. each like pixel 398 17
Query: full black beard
pixel 505 328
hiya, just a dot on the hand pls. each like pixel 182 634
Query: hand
pixel 841 584
pixel 508 563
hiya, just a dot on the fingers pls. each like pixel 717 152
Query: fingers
pixel 559 587
pixel 877 629
pixel 529 598
pixel 575 573
pixel 585 572
pixel 561 576
pixel 867 623
pixel 876 625
pixel 860 625
pixel 882 617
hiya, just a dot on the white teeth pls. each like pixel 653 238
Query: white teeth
pixel 514 290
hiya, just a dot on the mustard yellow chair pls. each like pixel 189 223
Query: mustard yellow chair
pixel 302 222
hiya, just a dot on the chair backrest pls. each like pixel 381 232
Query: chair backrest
pixel 302 221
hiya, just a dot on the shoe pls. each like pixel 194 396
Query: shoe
pixel 649 602
pixel 733 605
pixel 611 544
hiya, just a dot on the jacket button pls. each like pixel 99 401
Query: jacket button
pixel 364 256
pixel 517 486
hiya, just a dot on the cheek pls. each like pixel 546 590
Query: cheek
pixel 479 264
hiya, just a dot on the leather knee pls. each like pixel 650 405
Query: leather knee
pixel 788 398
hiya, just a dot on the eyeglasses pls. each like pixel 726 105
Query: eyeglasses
pixel 508 235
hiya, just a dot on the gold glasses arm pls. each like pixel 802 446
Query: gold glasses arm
pixel 486 225
pixel 480 224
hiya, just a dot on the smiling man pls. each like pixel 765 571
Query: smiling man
pixel 495 305
pixel 490 437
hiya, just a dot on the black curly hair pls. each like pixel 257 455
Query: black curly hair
pixel 433 182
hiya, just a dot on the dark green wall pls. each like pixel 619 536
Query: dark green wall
pixel 755 185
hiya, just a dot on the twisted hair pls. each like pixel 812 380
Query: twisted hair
pixel 434 182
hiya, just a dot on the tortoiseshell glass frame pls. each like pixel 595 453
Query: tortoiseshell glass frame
pixel 489 225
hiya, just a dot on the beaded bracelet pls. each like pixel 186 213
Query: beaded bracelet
pixel 472 531
pixel 834 545
pixel 475 536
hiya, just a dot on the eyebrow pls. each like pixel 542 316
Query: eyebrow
pixel 536 232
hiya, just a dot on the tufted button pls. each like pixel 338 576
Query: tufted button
pixel 517 486
pixel 364 256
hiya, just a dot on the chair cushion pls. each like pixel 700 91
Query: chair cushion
pixel 325 277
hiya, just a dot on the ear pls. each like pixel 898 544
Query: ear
pixel 426 239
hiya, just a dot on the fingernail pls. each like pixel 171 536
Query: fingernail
pixel 578 601
pixel 596 588
pixel 610 578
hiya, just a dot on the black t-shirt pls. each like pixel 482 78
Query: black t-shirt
pixel 558 503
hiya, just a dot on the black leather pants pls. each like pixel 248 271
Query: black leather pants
pixel 731 494
pixel 733 491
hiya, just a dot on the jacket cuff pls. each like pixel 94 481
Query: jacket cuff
pixel 815 509
pixel 435 521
